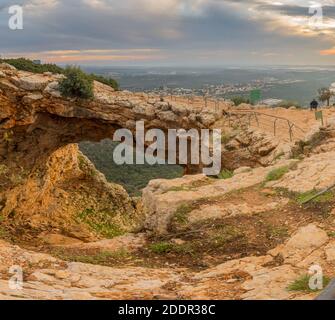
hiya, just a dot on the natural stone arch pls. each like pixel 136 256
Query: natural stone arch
pixel 35 120
pixel 44 185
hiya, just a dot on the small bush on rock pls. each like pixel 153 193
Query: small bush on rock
pixel 77 84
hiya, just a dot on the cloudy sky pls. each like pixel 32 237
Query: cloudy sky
pixel 172 32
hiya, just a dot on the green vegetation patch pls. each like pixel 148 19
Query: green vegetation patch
pixel 277 174
pixel 239 100
pixel 302 284
pixel 225 234
pixel 225 174
pixel 101 222
pixel 77 84
pixel 28 65
pixel 181 214
pixel 276 232
pixel 163 248
pixel 132 177
pixel 324 198
pixel 100 258
pixel 107 81
pixel 300 198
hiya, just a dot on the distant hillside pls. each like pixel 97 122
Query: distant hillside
pixel 132 177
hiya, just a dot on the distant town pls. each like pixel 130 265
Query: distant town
pixel 223 90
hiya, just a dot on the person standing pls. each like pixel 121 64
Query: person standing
pixel 314 105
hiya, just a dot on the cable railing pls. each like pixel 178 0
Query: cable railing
pixel 279 126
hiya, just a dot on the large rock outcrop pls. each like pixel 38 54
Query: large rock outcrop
pixel 45 183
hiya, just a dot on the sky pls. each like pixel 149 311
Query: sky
pixel 172 32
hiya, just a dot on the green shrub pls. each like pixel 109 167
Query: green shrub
pixel 276 174
pixel 161 247
pixel 76 84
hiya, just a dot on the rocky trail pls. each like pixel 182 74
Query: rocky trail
pixel 245 235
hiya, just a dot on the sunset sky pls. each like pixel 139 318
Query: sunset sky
pixel 171 32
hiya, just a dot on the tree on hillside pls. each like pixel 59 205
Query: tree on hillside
pixel 325 94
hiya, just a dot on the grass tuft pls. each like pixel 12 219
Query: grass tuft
pixel 161 247
pixel 225 235
pixel 100 258
pixel 326 197
pixel 276 174
pixel 225 174
pixel 101 222
pixel 302 284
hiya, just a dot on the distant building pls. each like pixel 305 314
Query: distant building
pixel 271 102
pixel 37 61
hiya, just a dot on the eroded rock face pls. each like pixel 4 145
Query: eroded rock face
pixel 251 147
pixel 50 198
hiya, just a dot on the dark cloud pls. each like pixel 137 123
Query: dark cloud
pixel 209 28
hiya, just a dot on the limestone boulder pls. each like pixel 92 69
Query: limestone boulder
pixel 53 89
pixel 36 82
pixel 316 172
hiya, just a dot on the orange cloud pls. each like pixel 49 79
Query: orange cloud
pixel 63 56
pixel 328 52
pixel 78 58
